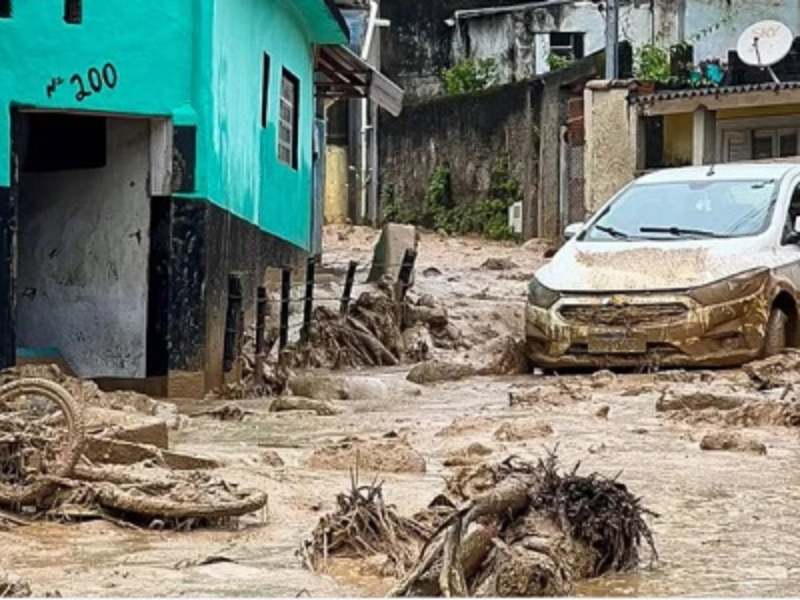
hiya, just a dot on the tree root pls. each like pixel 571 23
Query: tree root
pixel 533 531
pixel 362 526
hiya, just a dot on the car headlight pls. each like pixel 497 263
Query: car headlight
pixel 732 288
pixel 541 296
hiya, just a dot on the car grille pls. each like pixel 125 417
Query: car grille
pixel 631 315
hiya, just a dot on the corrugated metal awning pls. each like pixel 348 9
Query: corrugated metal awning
pixel 716 91
pixel 341 73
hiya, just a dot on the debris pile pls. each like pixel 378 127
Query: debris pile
pixel 53 466
pixel 526 530
pixel 362 526
pixel 14 587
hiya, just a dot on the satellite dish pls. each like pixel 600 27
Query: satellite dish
pixel 764 44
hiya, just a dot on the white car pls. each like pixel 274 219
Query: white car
pixel 695 266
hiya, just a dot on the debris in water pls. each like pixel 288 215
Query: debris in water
pixel 385 455
pixel 535 531
pixel 362 526
pixel 732 441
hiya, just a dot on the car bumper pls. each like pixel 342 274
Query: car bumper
pixel 670 330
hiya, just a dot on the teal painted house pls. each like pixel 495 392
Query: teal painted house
pixel 149 152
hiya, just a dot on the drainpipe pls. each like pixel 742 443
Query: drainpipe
pixel 365 52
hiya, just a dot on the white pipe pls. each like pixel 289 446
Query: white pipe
pixel 365 52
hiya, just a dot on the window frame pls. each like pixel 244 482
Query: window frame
pixel 266 70
pixel 73 12
pixel 293 104
pixel 771 127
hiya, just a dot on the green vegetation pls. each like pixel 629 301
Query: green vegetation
pixel 653 61
pixel 556 62
pixel 487 217
pixel 469 76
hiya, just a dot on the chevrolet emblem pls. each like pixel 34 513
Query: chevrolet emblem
pixel 619 301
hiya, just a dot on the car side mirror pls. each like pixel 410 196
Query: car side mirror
pixel 573 229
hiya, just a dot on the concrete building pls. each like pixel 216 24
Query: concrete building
pixel 150 151
pixel 748 117
pixel 429 36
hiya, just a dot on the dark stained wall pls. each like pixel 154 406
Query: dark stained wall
pixel 468 133
pixel 417 48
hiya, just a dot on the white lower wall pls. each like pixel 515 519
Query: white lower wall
pixel 83 258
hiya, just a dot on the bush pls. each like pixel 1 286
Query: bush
pixel 470 75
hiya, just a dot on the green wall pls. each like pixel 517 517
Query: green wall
pixel 248 178
pixel 149 43
pixel 197 61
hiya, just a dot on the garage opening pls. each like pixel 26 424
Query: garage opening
pixel 83 243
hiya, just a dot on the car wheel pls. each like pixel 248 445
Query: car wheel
pixel 775 338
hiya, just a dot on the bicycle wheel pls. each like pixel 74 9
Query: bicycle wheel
pixel 41 438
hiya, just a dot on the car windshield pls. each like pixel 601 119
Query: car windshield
pixel 680 210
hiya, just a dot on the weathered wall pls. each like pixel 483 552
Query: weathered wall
pixel 465 132
pixel 612 142
pixel 83 256
pixel 420 46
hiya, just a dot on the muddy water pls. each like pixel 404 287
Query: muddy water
pixel 728 521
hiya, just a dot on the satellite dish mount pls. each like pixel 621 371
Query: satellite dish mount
pixel 765 44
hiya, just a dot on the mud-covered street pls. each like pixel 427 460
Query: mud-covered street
pixel 713 454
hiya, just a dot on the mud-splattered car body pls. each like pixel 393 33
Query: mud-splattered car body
pixel 675 299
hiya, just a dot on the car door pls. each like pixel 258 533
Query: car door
pixel 788 250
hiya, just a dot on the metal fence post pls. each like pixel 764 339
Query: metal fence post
pixel 232 322
pixel 286 298
pixel 308 303
pixel 261 325
pixel 348 287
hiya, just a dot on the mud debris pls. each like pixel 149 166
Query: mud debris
pixel 56 469
pixel 364 526
pixel 471 455
pixel 603 412
pixel 732 441
pixel 464 426
pixel 14 587
pixel 781 370
pixel 701 397
pixel 384 455
pixel 556 394
pixel 552 530
pixel 321 408
pixel 520 430
pixel 499 264
pixel 437 371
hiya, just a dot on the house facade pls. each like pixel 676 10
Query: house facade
pixel 149 152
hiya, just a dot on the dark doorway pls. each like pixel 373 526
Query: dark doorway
pixel 84 218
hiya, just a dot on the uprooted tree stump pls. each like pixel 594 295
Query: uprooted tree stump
pixel 535 532
pixel 531 531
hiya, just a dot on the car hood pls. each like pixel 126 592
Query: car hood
pixel 634 266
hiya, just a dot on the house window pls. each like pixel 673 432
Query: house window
pixel 5 9
pixel 761 144
pixel 73 11
pixel 566 45
pixel 265 91
pixel 287 125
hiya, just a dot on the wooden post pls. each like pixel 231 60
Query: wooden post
pixel 308 301
pixel 286 297
pixel 348 287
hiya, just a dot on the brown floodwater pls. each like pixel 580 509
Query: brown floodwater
pixel 728 521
